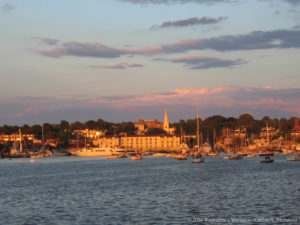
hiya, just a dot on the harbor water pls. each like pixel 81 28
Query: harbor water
pixel 155 190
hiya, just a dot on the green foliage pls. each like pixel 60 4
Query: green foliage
pixel 155 131
pixel 208 127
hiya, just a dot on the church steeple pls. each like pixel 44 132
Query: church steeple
pixel 166 122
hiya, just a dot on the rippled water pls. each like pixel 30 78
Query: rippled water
pixel 82 190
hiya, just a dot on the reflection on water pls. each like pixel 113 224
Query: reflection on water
pixel 82 190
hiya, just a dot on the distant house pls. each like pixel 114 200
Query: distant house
pixel 296 130
pixel 144 125
pixel 92 134
pixel 16 137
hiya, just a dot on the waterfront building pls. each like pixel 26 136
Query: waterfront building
pixel 15 137
pixel 164 142
pixel 144 125
pixel 92 134
pixel 240 132
pixel 107 141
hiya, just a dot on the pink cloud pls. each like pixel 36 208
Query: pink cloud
pixel 250 98
pixel 222 100
pixel 118 66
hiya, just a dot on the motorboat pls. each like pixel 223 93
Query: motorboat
pixel 213 154
pixel 94 151
pixel 136 157
pixel 113 156
pixel 198 158
pixel 179 156
pixel 236 157
pixel 294 157
pixel 267 160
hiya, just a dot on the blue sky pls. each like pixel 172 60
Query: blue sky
pixel 126 59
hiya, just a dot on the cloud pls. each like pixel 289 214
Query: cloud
pixel 190 21
pixel 207 2
pixel 253 41
pixel 280 39
pixel 293 2
pixel 85 50
pixel 181 103
pixel 8 7
pixel 46 41
pixel 118 66
pixel 203 62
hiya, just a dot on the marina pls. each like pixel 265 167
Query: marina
pixel 160 190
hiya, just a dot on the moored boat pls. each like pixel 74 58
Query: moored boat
pixel 213 154
pixel 136 157
pixel 294 157
pixel 159 154
pixel 96 151
pixel 267 160
pixel 198 158
pixel 113 156
pixel 236 157
pixel 179 156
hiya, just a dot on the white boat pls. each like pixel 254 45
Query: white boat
pixel 294 157
pixel 94 151
pixel 122 151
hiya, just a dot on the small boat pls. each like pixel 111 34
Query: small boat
pixel 213 154
pixel 294 157
pixel 179 156
pixel 159 154
pixel 267 160
pixel 136 157
pixel 227 157
pixel 113 156
pixel 236 157
pixel 251 155
pixel 198 159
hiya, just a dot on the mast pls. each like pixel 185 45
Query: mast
pixel 214 137
pixel 21 146
pixel 43 138
pixel 198 142
pixel 268 133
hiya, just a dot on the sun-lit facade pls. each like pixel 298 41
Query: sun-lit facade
pixel 142 142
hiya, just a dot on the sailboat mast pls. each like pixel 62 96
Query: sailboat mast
pixel 21 146
pixel 198 142
pixel 43 139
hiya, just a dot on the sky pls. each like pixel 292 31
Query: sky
pixel 121 60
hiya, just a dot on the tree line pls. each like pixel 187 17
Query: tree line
pixel 209 127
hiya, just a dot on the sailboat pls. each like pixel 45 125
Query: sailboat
pixel 17 151
pixel 198 157
pixel 42 152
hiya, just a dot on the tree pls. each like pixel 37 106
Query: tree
pixel 37 131
pixel 91 124
pixel 245 120
pixel 77 126
pixel 127 127
pixel 157 131
pixel 283 125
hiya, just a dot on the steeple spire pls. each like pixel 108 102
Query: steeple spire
pixel 166 122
